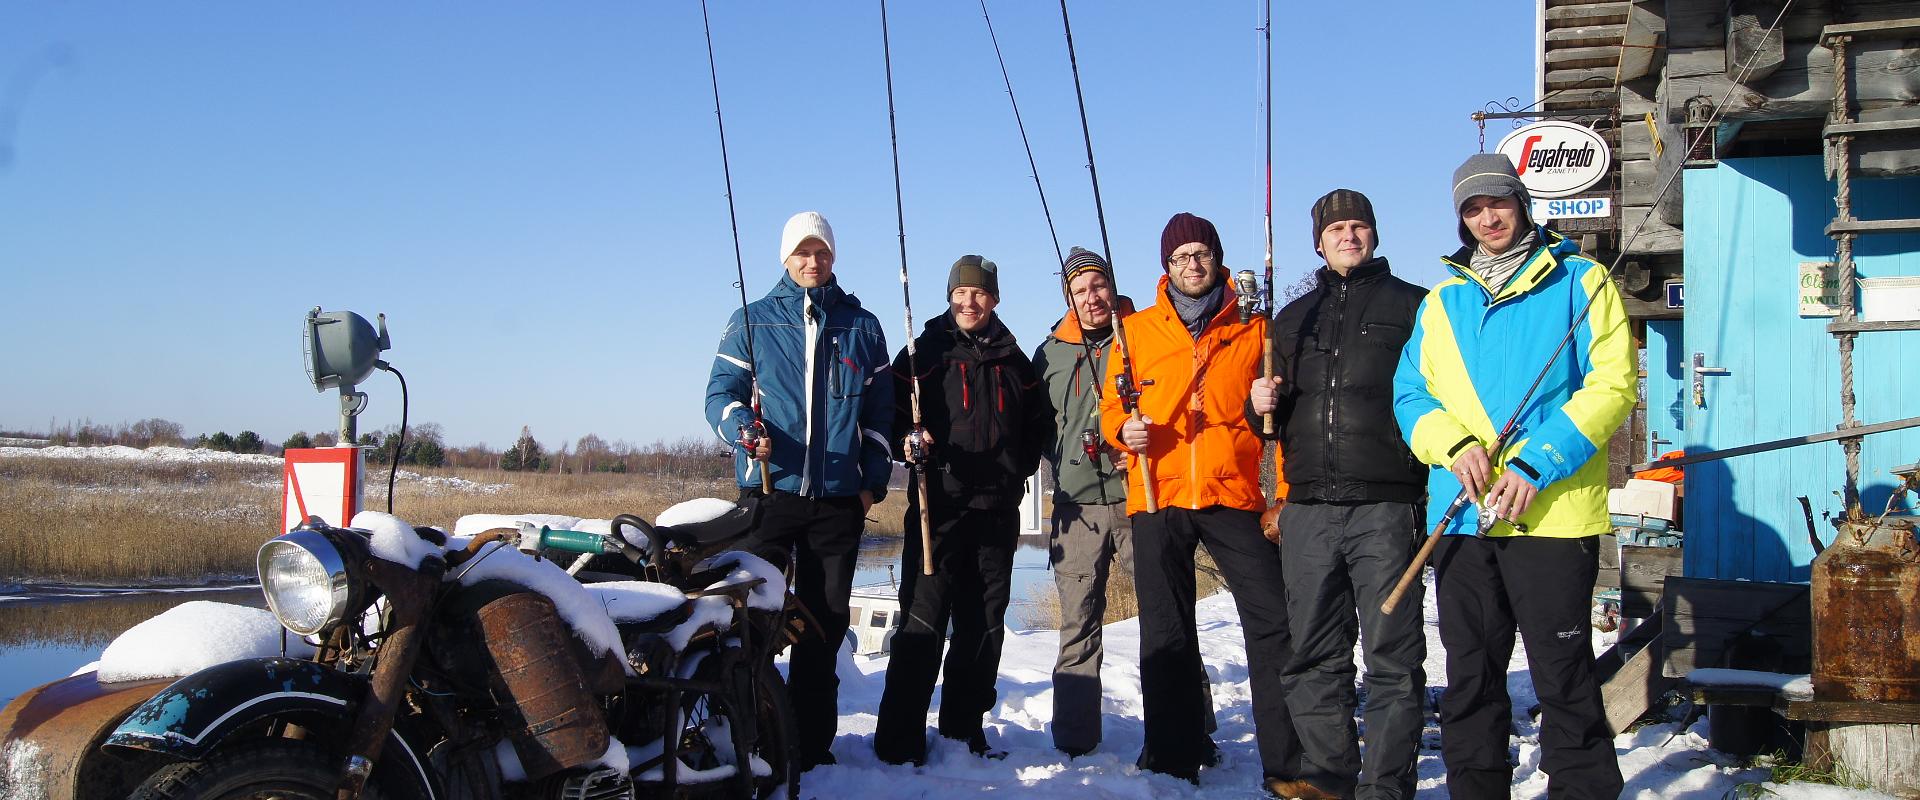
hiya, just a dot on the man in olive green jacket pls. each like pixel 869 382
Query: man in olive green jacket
pixel 1090 530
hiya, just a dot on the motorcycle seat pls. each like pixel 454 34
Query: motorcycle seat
pixel 642 606
pixel 726 527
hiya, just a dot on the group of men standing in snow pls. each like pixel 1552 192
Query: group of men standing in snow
pixel 1383 401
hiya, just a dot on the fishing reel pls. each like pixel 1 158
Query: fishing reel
pixel 917 446
pixel 1248 288
pixel 1127 391
pixel 751 435
pixel 1090 445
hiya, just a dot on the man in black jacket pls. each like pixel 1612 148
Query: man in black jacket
pixel 986 421
pixel 1351 521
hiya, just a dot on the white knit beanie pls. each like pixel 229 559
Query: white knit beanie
pixel 803 226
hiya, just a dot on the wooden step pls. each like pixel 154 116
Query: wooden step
pixel 1858 226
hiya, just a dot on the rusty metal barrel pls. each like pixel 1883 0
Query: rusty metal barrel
pixel 560 725
pixel 1866 614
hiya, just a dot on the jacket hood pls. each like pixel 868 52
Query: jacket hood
pixel 1068 328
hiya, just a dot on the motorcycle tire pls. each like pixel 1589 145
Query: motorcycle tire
pixel 267 769
pixel 779 737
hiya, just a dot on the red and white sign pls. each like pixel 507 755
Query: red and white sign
pixel 1557 159
pixel 322 482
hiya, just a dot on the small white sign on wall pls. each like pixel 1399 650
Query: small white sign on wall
pixel 1819 289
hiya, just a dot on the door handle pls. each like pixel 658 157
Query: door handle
pixel 1700 372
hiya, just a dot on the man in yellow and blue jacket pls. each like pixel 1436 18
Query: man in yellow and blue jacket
pixel 1480 338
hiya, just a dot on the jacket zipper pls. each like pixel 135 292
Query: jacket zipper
pixel 1333 384
pixel 999 398
pixel 966 396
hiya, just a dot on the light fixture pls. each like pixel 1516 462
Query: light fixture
pixel 342 349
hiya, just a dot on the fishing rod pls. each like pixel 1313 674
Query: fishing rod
pixel 1124 384
pixel 1465 498
pixel 1089 444
pixel 1266 222
pixel 916 450
pixel 753 432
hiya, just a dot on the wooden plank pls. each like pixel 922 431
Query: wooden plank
pixel 1873 226
pixel 1854 711
pixel 1756 48
pixel 1703 615
pixel 1587 14
pixel 1587 35
pixel 1643 578
pixel 1629 674
pixel 1565 57
pixel 1586 77
pixel 1907 27
pixel 1643 309
pixel 1883 126
pixel 1749 696
pixel 1655 237
pixel 1870 327
pixel 1802 87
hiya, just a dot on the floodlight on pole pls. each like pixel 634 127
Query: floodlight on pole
pixel 342 349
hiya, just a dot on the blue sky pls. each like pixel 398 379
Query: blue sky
pixel 532 193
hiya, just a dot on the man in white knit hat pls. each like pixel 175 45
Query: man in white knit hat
pixel 821 367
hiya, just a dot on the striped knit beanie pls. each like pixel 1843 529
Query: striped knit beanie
pixel 1341 205
pixel 1080 260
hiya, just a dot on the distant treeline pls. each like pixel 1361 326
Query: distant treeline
pixel 425 446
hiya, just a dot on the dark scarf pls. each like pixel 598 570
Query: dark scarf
pixel 1195 312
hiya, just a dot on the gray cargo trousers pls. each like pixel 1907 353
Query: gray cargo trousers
pixel 1340 562
pixel 1088 543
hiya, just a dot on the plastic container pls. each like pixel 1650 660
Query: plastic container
pixel 1890 299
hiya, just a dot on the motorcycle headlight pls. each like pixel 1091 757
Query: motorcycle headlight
pixel 305 581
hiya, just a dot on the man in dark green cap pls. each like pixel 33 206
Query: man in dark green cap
pixel 985 420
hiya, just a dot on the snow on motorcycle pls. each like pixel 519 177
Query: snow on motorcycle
pixel 470 666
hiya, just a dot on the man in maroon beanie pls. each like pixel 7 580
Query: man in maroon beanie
pixel 1194 361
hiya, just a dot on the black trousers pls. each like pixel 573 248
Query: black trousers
pixel 1545 587
pixel 823 536
pixel 1341 562
pixel 1177 742
pixel 970 586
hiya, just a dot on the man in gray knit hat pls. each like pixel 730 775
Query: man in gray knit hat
pixel 1091 534
pixel 1478 340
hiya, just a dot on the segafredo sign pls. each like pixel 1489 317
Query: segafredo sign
pixel 1557 159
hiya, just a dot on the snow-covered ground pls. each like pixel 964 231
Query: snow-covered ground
pixel 189 455
pixel 1659 761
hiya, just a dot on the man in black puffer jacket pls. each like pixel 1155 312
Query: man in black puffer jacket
pixel 1351 523
pixel 986 420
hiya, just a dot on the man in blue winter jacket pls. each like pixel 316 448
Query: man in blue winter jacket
pixel 820 366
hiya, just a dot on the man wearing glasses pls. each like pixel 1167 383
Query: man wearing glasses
pixel 1194 363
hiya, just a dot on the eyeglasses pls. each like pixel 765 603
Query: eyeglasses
pixel 1182 259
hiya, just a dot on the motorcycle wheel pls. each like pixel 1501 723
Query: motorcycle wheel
pixel 778 738
pixel 268 769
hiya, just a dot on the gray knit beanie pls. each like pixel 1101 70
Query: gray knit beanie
pixel 1488 175
pixel 974 271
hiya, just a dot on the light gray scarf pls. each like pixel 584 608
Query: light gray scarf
pixel 1196 311
pixel 1498 270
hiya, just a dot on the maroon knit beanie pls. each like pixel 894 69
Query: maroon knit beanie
pixel 1185 228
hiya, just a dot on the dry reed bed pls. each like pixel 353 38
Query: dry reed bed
pixel 148 521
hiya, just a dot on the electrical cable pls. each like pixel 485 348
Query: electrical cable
pixel 400 442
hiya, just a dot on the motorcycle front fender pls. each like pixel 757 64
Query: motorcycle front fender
pixel 190 718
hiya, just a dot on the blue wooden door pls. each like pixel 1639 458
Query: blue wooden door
pixel 1772 374
pixel 1666 386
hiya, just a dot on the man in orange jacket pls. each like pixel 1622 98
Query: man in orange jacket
pixel 1194 361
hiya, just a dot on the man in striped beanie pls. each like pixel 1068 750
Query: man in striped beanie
pixel 1091 535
